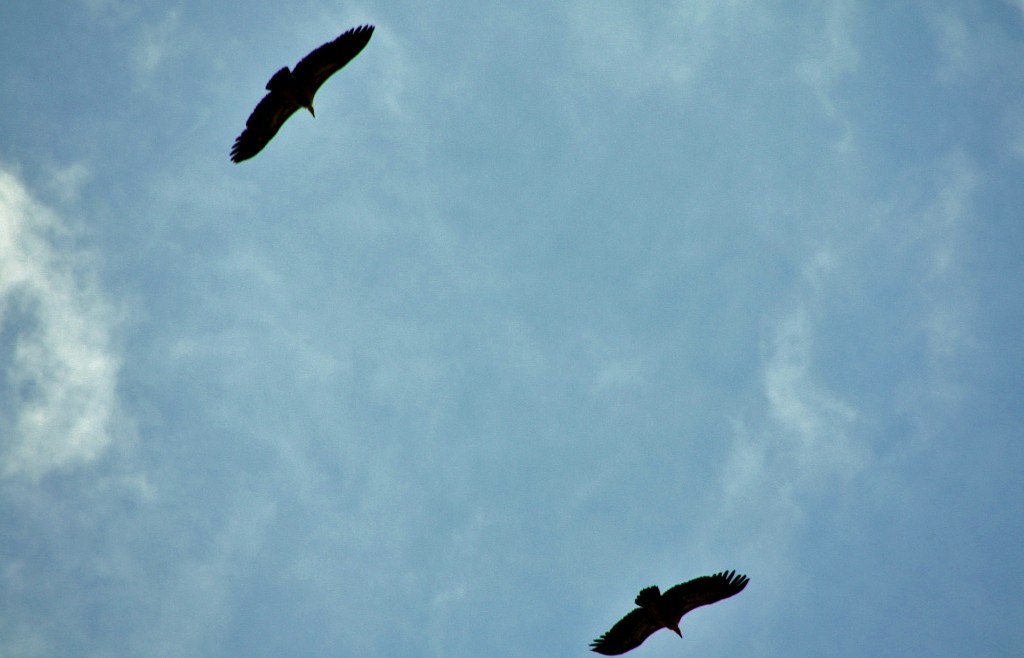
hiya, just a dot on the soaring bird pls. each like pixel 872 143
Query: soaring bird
pixel 290 90
pixel 659 610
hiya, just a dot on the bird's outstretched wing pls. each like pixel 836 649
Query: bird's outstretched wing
pixel 701 591
pixel 262 125
pixel 628 633
pixel 326 60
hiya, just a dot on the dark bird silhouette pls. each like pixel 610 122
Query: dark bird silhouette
pixel 659 610
pixel 290 90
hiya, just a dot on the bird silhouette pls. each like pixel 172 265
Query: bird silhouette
pixel 291 90
pixel 659 610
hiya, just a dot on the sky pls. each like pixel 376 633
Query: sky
pixel 549 303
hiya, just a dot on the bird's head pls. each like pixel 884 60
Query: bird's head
pixel 675 629
pixel 310 108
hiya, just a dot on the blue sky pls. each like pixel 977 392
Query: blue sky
pixel 551 302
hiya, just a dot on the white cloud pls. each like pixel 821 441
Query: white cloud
pixel 58 385
pixel 618 374
pixel 954 44
pixel 156 41
pixel 832 56
pixel 939 228
pixel 110 10
pixel 809 435
pixel 634 50
pixel 1013 126
pixel 812 425
pixel 616 369
pixel 196 608
pixel 946 325
pixel 969 47
pixel 67 182
pixel 806 435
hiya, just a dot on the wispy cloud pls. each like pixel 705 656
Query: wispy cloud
pixel 110 10
pixel 971 45
pixel 955 45
pixel 809 436
pixel 1013 127
pixel 806 436
pixel 155 43
pixel 58 386
pixel 832 56
pixel 810 423
pixel 196 606
pixel 945 325
pixel 634 50
pixel 67 182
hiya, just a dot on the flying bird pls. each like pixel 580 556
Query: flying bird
pixel 659 610
pixel 290 90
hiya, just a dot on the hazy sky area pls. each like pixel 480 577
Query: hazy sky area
pixel 550 302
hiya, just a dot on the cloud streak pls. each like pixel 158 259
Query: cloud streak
pixel 806 436
pixel 812 423
pixel 58 386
